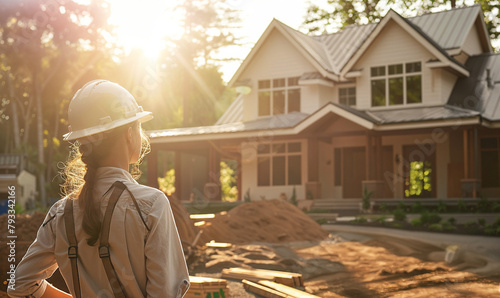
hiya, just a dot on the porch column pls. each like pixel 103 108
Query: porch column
pixel 373 182
pixel 313 187
pixel 471 185
pixel 178 170
pixel 212 189
pixel 152 159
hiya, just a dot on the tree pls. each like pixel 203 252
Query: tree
pixel 340 13
pixel 45 46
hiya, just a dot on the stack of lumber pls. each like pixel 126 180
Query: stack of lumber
pixel 272 289
pixel 205 287
pixel 286 278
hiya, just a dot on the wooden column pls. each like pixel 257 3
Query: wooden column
pixel 312 159
pixel 152 158
pixel 213 187
pixel 378 159
pixel 368 157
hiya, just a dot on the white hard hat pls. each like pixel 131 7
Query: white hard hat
pixel 100 106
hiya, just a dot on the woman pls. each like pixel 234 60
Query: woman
pixel 109 236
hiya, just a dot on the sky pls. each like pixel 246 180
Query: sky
pixel 154 18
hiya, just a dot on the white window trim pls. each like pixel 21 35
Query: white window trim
pixel 271 97
pixel 387 76
pixel 355 92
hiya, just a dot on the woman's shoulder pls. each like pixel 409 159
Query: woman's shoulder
pixel 147 195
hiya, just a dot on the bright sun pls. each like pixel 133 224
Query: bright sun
pixel 145 25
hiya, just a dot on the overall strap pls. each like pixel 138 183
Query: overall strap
pixel 118 188
pixel 69 221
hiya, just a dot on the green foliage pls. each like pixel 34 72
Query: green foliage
pixel 452 220
pixel 228 181
pixel 360 219
pixel 442 207
pixel 293 198
pixel 447 226
pixel 470 224
pixel 366 198
pixel 496 207
pixel 402 206
pixel 167 182
pixel 247 198
pixel 416 207
pixel 310 195
pixel 416 222
pixel 399 214
pixel 381 219
pixel 397 225
pixel 383 207
pixel 462 206
pixel 436 227
pixel 321 221
pixel 481 221
pixel 420 179
pixel 483 205
pixel 429 218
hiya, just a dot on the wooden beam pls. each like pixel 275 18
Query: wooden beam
pixel 286 278
pixel 262 290
pixel 287 290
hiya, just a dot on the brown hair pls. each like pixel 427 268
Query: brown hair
pixel 79 176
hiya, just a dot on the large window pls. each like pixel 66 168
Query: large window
pixel 347 96
pixel 279 164
pixel 396 84
pixel 279 96
pixel 490 162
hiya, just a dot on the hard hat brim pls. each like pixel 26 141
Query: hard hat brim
pixel 91 131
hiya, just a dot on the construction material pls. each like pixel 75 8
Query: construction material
pixel 214 244
pixel 206 287
pixel 292 292
pixel 262 290
pixel 287 278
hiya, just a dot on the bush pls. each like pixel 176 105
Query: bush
pixel 399 214
pixel 447 226
pixel 417 207
pixel 366 198
pixel 383 207
pixel 397 225
pixel 496 207
pixel 481 221
pixel 436 227
pixel 381 219
pixel 416 222
pixel 462 207
pixel 293 198
pixel 441 208
pixel 321 221
pixel 483 205
pixel 470 224
pixel 430 218
pixel 360 220
pixel 452 220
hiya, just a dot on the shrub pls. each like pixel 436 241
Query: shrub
pixel 442 207
pixel 483 205
pixel 247 196
pixel 397 225
pixel 321 221
pixel 496 207
pixel 470 224
pixel 383 207
pixel 452 220
pixel 496 223
pixel 399 214
pixel 366 198
pixel 462 207
pixel 381 219
pixel 436 227
pixel 416 222
pixel 293 198
pixel 360 219
pixel 447 226
pixel 402 206
pixel 417 207
pixel 481 221
pixel 430 218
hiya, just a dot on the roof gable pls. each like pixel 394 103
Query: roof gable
pixel 414 31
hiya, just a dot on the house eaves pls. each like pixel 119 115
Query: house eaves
pixel 416 32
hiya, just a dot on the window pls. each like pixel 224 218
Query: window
pixel 347 96
pixel 490 162
pixel 396 84
pixel 279 164
pixel 279 96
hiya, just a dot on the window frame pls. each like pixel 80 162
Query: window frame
pixel 347 87
pixel 386 76
pixel 269 156
pixel 272 90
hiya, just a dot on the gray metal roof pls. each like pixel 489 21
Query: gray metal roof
pixel 445 30
pixel 479 92
pixel 234 113
pixel 448 28
pixel 265 123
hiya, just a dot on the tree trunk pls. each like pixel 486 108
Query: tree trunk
pixel 39 131
pixel 453 3
pixel 15 116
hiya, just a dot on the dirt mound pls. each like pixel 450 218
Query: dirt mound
pixel 271 221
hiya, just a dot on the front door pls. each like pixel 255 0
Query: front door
pixel 353 171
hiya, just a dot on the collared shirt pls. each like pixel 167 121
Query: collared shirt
pixel 147 263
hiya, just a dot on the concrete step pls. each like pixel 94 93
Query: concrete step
pixel 328 216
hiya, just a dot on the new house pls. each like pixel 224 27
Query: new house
pixel 406 107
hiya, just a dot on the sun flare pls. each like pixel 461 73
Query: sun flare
pixel 145 25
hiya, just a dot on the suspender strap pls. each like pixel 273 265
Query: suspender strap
pixel 118 188
pixel 69 221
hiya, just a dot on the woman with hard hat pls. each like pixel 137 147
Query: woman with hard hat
pixel 110 236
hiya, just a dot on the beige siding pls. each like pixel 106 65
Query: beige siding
pixel 276 58
pixel 394 45
pixel 472 44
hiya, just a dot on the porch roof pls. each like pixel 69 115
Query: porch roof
pixel 295 123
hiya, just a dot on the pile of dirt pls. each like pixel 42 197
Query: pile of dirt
pixel 270 221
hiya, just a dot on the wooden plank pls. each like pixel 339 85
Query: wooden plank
pixel 287 290
pixel 262 290
pixel 287 278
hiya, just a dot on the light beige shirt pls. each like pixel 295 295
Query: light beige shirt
pixel 148 263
